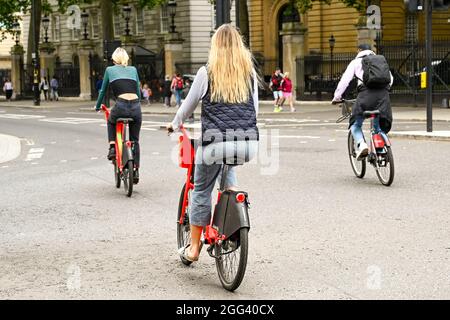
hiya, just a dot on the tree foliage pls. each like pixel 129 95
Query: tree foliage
pixel 305 5
pixel 9 9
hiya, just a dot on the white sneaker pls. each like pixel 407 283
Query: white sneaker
pixel 363 151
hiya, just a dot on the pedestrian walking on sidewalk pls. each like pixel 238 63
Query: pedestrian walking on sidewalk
pixel 44 86
pixel 275 86
pixel 54 85
pixel 167 91
pixel 286 86
pixel 8 89
pixel 177 86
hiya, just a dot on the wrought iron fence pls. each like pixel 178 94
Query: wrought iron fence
pixel 68 77
pixel 322 72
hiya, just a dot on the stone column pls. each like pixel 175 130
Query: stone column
pixel 16 72
pixel 47 60
pixel 173 52
pixel 84 49
pixel 129 44
pixel 293 35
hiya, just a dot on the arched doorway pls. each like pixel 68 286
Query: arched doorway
pixel 287 13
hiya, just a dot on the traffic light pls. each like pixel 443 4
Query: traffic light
pixel 441 5
pixel 414 5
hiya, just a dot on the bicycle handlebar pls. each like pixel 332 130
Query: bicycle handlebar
pixel 106 111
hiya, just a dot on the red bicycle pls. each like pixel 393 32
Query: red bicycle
pixel 380 149
pixel 227 234
pixel 124 161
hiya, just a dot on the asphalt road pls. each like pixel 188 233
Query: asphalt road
pixel 317 231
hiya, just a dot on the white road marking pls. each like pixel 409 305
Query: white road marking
pixel 10 148
pixel 94 158
pixel 63 161
pixel 20 116
pixel 34 163
pixel 149 129
pixel 332 140
pixel 69 120
pixel 155 153
pixel 4 167
pixel 35 153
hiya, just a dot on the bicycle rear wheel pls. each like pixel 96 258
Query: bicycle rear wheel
pixel 117 174
pixel 183 229
pixel 385 169
pixel 358 166
pixel 128 178
pixel 232 259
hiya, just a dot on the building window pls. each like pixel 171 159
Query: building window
pixel 95 25
pixel 56 31
pixel 213 17
pixel 76 34
pixel 139 21
pixel 164 19
pixel 117 26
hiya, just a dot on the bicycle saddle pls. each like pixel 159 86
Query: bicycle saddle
pixel 124 120
pixel 369 113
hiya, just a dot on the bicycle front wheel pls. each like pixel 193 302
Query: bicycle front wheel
pixel 385 168
pixel 231 260
pixel 128 178
pixel 358 166
pixel 184 228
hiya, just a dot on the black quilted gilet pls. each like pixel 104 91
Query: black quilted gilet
pixel 228 122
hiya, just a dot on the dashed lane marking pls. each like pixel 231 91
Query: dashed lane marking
pixel 35 153
pixel 69 120
pixel 94 158
pixel 4 167
pixel 20 116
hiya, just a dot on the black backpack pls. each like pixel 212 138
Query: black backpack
pixel 376 72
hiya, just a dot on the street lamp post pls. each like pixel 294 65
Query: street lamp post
pixel 45 25
pixel 127 15
pixel 332 42
pixel 16 29
pixel 85 21
pixel 172 8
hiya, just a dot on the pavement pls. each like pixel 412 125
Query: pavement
pixel 317 232
pixel 401 112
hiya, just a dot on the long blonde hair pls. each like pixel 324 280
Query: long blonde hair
pixel 230 66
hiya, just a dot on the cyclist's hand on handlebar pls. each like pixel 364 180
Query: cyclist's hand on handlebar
pixel 169 128
pixel 335 102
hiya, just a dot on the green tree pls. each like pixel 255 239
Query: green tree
pixel 305 5
pixel 9 10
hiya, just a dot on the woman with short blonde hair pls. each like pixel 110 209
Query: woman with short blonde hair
pixel 228 89
pixel 125 86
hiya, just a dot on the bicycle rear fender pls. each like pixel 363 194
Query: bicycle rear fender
pixel 231 215
pixel 127 152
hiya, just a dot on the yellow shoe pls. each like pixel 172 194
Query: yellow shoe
pixel 277 109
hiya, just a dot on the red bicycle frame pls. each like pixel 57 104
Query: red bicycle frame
pixel 187 161
pixel 119 138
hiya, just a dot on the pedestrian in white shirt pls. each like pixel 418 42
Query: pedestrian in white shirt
pixel 369 99
pixel 8 89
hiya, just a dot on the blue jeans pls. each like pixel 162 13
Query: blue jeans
pixel 357 132
pixel 208 168
pixel 178 93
